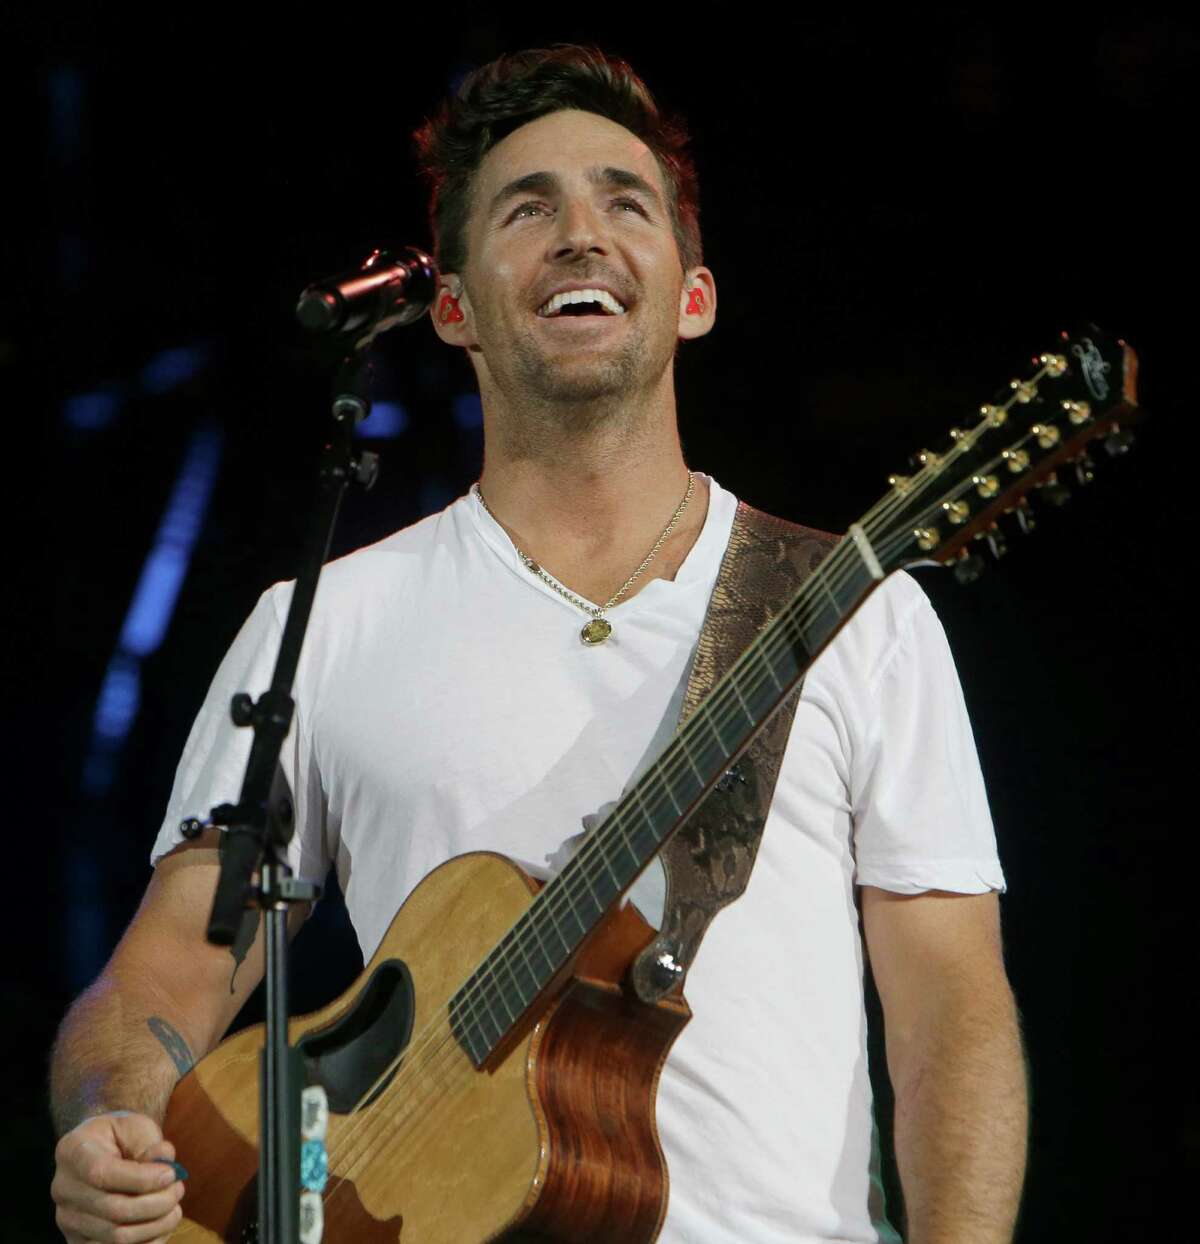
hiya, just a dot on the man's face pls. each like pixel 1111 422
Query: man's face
pixel 572 202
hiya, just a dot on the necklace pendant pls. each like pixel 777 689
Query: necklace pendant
pixel 596 631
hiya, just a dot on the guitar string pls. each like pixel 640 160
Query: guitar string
pixel 416 1054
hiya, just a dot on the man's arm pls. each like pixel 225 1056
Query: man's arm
pixel 955 1061
pixel 164 1000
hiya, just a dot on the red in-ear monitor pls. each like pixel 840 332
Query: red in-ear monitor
pixel 449 311
pixel 695 301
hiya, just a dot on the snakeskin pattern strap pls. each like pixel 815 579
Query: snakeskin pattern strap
pixel 708 860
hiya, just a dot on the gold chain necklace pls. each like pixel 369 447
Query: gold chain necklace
pixel 599 628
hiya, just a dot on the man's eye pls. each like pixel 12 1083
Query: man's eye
pixel 528 209
pixel 631 203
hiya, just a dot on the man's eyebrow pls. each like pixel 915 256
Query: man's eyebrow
pixel 624 179
pixel 549 183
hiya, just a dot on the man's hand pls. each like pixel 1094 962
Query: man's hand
pixel 108 1185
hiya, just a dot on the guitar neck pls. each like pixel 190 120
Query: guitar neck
pixel 570 906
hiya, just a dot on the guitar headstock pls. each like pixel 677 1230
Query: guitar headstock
pixel 1040 427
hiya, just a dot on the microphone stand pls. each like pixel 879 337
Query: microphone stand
pixel 258 828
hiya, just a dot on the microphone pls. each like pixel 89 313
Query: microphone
pixel 391 288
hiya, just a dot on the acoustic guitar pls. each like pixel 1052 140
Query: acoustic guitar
pixel 490 1075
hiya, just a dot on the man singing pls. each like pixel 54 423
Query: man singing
pixel 496 675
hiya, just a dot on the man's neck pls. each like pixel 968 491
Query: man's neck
pixel 589 500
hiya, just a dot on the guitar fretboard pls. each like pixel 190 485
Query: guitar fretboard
pixel 545 939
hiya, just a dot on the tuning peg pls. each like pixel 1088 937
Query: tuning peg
pixel 1026 520
pixel 968 567
pixel 996 542
pixel 1085 468
pixel 923 458
pixel 1118 442
pixel 1055 493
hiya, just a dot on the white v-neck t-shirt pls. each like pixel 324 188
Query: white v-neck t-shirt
pixel 446 704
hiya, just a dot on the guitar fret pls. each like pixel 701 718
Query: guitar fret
pixel 570 910
pixel 642 837
pixel 542 974
pixel 713 752
pixel 829 592
pixel 665 785
pixel 529 989
pixel 760 652
pixel 498 990
pixel 726 748
pixel 734 683
pixel 491 1019
pixel 687 751
pixel 587 877
pixel 554 921
pixel 517 981
pixel 602 848
pixel 705 715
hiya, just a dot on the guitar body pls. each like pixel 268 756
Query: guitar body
pixel 553 1139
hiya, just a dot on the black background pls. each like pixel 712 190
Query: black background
pixel 898 211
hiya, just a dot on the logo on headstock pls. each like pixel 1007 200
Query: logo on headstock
pixel 1094 368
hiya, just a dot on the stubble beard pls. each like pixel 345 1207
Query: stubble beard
pixel 578 396
pixel 599 382
pixel 552 402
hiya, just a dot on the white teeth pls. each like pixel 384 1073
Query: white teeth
pixel 553 305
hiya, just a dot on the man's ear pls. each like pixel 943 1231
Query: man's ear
pixel 451 312
pixel 697 303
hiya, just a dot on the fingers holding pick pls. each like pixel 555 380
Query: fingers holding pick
pixel 112 1184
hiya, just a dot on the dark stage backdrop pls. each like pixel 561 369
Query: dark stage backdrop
pixel 899 211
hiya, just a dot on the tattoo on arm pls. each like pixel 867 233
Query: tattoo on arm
pixel 173 1043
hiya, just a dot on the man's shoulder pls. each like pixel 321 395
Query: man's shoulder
pixel 396 558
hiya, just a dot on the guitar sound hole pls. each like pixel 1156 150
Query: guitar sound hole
pixel 349 1056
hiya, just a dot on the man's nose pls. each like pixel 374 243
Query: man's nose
pixel 581 231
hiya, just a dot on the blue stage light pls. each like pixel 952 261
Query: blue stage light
pixel 119 699
pixel 174 367
pixel 166 565
pixel 386 420
pixel 90 411
pixel 150 610
pixel 468 411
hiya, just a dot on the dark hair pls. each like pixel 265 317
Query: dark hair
pixel 501 96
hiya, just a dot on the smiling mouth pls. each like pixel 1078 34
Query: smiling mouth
pixel 579 302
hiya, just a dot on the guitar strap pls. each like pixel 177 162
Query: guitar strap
pixel 708 860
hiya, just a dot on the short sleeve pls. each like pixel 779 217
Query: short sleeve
pixel 921 817
pixel 214 758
